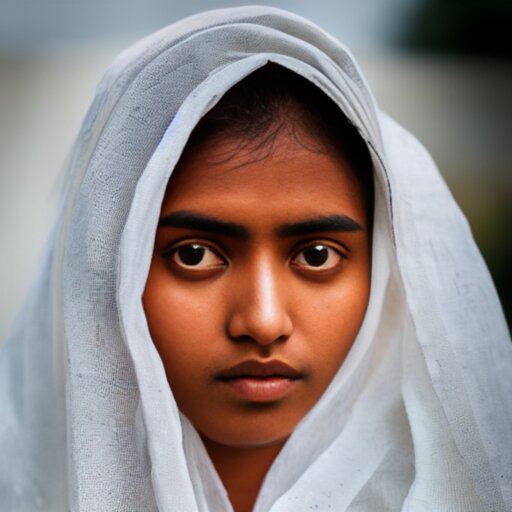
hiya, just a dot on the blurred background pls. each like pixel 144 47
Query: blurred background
pixel 442 68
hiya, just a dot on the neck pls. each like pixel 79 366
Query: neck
pixel 242 470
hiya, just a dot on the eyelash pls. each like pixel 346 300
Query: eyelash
pixel 332 252
pixel 173 251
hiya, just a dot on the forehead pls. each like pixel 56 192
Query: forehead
pixel 291 180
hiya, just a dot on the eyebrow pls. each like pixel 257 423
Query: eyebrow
pixel 201 222
pixel 329 223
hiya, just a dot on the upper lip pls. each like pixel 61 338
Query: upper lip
pixel 261 369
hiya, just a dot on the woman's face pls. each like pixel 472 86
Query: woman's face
pixel 258 286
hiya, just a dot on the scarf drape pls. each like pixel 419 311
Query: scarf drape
pixel 418 417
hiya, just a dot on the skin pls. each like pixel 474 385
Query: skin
pixel 257 296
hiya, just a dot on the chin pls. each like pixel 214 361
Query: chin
pixel 250 434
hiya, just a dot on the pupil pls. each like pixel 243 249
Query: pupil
pixel 191 254
pixel 316 256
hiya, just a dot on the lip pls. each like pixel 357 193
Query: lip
pixel 258 381
pixel 255 368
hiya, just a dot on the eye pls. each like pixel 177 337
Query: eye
pixel 318 257
pixel 195 256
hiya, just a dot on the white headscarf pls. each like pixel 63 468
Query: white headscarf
pixel 419 417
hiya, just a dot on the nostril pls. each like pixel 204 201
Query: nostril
pixel 245 339
pixel 251 329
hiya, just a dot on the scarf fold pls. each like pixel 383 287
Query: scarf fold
pixel 417 418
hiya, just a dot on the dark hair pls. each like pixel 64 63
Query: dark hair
pixel 272 99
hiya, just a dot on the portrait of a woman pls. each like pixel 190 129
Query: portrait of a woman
pixel 258 295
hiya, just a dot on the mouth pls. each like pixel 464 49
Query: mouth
pixel 257 381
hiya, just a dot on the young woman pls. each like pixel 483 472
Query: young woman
pixel 258 295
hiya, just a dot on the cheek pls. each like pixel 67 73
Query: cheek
pixel 331 319
pixel 179 323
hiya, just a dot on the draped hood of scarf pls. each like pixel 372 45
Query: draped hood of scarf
pixel 419 416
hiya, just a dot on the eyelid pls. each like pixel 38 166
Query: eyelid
pixel 188 240
pixel 335 245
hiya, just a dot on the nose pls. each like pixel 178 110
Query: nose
pixel 260 311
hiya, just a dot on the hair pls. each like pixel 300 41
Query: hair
pixel 273 100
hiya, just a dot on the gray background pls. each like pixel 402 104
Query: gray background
pixel 52 53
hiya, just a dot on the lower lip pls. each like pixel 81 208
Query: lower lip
pixel 269 389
